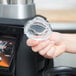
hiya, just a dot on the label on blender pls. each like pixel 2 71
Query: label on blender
pixel 6 52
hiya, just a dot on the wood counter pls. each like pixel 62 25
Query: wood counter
pixel 58 15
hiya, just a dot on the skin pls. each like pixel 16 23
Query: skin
pixel 55 45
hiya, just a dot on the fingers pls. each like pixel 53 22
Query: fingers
pixel 31 42
pixel 55 51
pixel 45 50
pixel 41 46
pixel 50 48
pixel 49 53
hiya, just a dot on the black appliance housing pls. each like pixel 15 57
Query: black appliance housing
pixel 24 62
pixel 19 58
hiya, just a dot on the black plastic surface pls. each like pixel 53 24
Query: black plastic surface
pixel 61 71
pixel 26 62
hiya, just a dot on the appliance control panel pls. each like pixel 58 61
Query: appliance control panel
pixel 7 46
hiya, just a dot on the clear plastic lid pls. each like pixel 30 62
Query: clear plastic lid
pixel 38 29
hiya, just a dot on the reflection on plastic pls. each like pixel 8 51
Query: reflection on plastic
pixel 38 29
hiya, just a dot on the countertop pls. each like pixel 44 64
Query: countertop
pixel 58 15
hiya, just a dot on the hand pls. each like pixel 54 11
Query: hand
pixel 50 48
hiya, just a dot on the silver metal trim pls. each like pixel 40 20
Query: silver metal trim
pixel 5 2
pixel 21 1
pixel 17 11
pixel 16 1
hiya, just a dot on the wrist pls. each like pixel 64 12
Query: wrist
pixel 70 42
